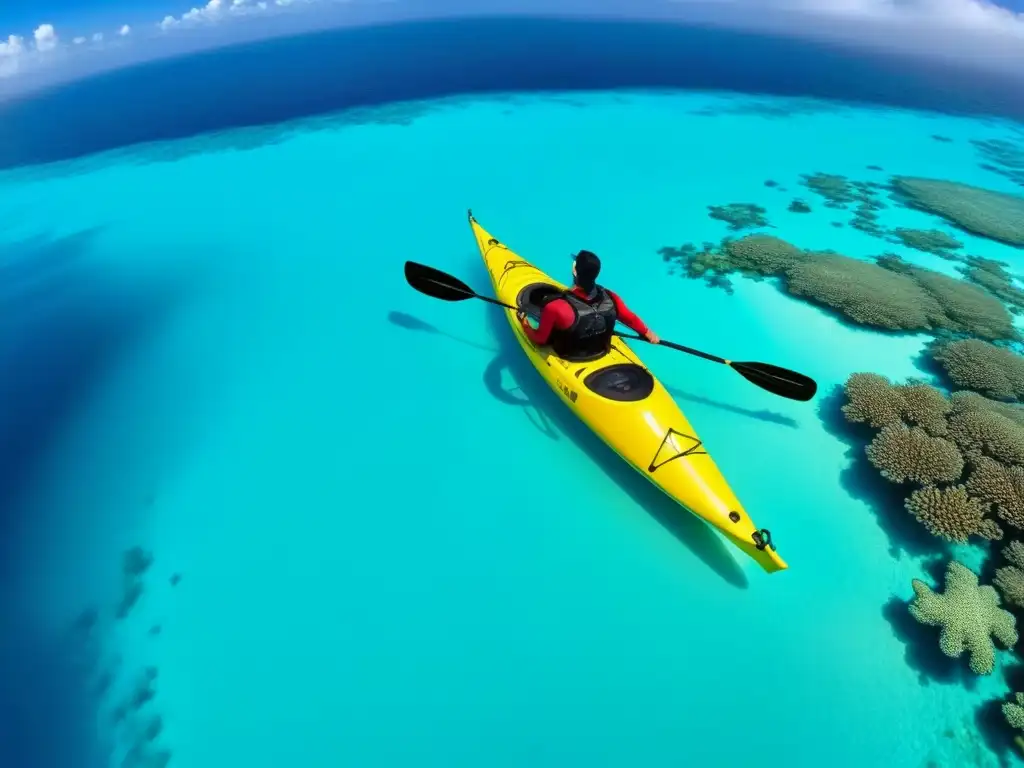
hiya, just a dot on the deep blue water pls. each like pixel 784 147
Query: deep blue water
pixel 276 80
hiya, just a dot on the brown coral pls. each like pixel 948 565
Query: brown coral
pixel 874 400
pixel 992 275
pixel 966 401
pixel 968 308
pixel 988 433
pixel 999 485
pixel 983 367
pixel 905 454
pixel 926 406
pixel 932 241
pixel 996 215
pixel 762 254
pixel 951 514
pixel 1010 583
pixel 1014 553
pixel 865 292
pixel 969 614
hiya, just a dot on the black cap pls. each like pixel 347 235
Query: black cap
pixel 588 267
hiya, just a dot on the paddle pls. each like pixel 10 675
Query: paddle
pixel 772 378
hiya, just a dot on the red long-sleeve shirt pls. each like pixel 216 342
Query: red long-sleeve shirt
pixel 560 314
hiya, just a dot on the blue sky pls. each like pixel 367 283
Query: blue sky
pixel 47 41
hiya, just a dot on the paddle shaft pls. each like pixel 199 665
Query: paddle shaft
pixel 637 337
pixel 771 378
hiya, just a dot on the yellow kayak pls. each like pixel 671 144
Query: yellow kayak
pixel 618 398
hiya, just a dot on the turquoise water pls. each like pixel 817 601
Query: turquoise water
pixel 396 546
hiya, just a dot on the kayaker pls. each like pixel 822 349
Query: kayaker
pixel 580 324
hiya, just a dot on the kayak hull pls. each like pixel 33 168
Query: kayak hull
pixel 619 399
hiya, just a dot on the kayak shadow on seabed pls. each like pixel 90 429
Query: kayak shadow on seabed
pixel 547 413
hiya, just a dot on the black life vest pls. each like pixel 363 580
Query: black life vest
pixel 590 335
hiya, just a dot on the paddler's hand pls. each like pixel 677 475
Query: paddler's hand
pixel 652 337
pixel 523 320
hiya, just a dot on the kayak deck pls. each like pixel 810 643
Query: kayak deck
pixel 628 408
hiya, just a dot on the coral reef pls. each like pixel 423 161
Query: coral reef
pixel 1014 714
pixel 996 215
pixel 1014 553
pixel 975 364
pixel 967 307
pixel 740 216
pixel 134 564
pixel 771 183
pixel 762 255
pixel 950 513
pixel 872 400
pixel 932 241
pixel 888 293
pixel 991 275
pixel 1001 486
pixel 969 614
pixel 132 729
pixel 943 139
pixel 987 433
pixel 1004 157
pixel 875 168
pixel 909 454
pixel 966 450
pixel 1009 580
pixel 798 206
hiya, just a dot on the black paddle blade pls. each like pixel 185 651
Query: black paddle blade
pixel 434 282
pixel 778 381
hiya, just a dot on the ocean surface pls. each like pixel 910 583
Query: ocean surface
pixel 378 538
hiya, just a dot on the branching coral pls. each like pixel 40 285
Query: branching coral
pixel 967 307
pixel 905 454
pixel 1010 583
pixel 952 514
pixel 988 433
pixel 1013 711
pixel 969 615
pixel 926 407
pixel 1014 553
pixel 873 400
pixel 983 367
pixel 932 241
pixel 993 277
pixel 740 216
pixel 837 190
pixel 865 292
pixel 966 401
pixel 996 215
pixel 762 254
pixel 999 485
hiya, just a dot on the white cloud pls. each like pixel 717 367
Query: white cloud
pixel 11 51
pixel 78 40
pixel 98 37
pixel 124 31
pixel 977 15
pixel 12 46
pixel 45 37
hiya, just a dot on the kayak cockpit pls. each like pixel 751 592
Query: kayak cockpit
pixel 533 297
pixel 621 382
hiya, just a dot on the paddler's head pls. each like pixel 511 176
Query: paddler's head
pixel 585 269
